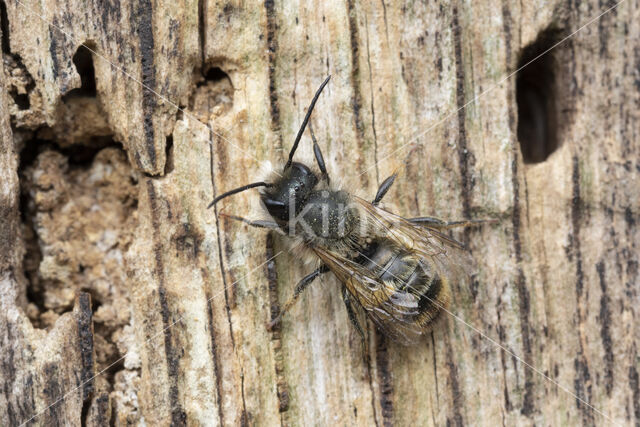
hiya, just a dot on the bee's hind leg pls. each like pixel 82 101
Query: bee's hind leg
pixel 346 297
pixel 445 225
pixel 300 287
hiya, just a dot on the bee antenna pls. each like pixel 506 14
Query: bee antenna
pixel 238 190
pixel 305 121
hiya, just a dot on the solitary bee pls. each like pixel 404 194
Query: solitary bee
pixel 397 270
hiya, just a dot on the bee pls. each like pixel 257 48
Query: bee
pixel 397 270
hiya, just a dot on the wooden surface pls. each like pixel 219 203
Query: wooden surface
pixel 124 300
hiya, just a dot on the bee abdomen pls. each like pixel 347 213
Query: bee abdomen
pixel 409 275
pixel 432 295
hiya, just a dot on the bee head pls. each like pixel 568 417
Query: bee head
pixel 291 190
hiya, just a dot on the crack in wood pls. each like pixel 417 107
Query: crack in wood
pixel 142 21
pixel 373 112
pixel 582 379
pixel 605 331
pixel 221 260
pixel 384 380
pixel 356 95
pixel 457 397
pixel 463 149
pixel 214 347
pixel 272 48
pixel 520 282
pixel 85 343
pixel 282 388
pixel 178 416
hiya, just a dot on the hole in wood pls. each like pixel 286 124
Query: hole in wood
pixel 213 94
pixel 168 165
pixel 215 74
pixel 539 97
pixel 78 208
pixel 83 61
pixel 22 101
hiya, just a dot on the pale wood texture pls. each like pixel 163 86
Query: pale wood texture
pixel 109 255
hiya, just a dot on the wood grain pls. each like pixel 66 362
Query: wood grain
pixel 124 300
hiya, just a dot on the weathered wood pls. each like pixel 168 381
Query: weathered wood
pixel 124 300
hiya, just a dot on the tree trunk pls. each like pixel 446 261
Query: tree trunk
pixel 124 300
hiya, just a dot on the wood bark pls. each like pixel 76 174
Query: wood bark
pixel 124 300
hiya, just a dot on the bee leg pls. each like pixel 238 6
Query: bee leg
pixel 257 223
pixel 445 225
pixel 318 153
pixel 300 287
pixel 384 187
pixel 346 297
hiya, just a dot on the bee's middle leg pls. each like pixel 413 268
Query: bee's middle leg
pixel 300 287
pixel 445 225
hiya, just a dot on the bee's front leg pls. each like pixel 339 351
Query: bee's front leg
pixel 271 225
pixel 318 153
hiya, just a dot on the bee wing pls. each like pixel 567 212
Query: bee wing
pixel 450 258
pixel 395 310
pixel 390 309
